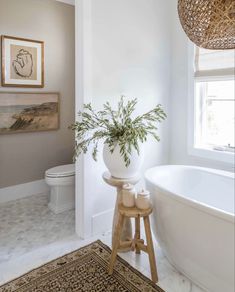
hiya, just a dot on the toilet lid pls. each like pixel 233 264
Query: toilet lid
pixel 61 171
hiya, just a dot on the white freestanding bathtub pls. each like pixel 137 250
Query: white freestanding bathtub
pixel 193 221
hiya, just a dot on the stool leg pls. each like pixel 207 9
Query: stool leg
pixel 137 233
pixel 117 235
pixel 150 249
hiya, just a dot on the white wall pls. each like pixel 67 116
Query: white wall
pixel 179 100
pixel 136 48
pixel 129 53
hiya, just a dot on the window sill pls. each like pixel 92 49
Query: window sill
pixel 217 155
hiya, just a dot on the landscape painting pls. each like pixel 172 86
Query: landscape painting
pixel 28 112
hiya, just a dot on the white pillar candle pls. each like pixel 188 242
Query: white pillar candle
pixel 128 195
pixel 143 200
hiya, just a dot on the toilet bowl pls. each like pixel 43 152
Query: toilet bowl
pixel 61 180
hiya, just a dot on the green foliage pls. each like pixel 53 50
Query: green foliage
pixel 115 127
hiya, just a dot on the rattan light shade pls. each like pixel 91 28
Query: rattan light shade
pixel 209 23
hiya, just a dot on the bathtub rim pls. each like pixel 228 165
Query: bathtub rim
pixel 216 212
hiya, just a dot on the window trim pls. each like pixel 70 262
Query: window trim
pixel 208 153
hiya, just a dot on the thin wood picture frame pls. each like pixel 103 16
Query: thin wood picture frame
pixel 23 112
pixel 22 62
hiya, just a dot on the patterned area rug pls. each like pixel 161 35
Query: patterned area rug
pixel 83 270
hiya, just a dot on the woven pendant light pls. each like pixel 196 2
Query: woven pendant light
pixel 209 23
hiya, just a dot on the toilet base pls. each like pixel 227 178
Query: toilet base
pixel 62 198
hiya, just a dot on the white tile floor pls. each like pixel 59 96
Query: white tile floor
pixel 28 223
pixel 28 240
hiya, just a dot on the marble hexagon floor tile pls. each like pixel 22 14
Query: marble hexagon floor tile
pixel 28 223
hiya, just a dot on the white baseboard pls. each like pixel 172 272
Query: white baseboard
pixel 102 222
pixel 23 190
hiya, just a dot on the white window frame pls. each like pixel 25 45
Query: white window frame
pixel 193 150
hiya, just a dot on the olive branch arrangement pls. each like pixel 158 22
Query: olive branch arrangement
pixel 115 127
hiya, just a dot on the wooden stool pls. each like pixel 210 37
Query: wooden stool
pixel 118 184
pixel 136 244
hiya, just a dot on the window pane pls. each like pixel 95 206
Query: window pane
pixel 216 100
pixel 220 89
pixel 220 123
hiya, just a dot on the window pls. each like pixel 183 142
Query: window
pixel 213 104
pixel 215 115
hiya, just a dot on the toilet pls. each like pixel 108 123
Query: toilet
pixel 61 180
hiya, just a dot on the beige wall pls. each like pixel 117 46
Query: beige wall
pixel 25 157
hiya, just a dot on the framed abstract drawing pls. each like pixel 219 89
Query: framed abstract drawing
pixel 22 62
pixel 22 112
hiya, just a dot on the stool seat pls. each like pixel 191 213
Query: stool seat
pixel 134 212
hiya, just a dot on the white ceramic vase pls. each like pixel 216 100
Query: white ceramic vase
pixel 116 165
